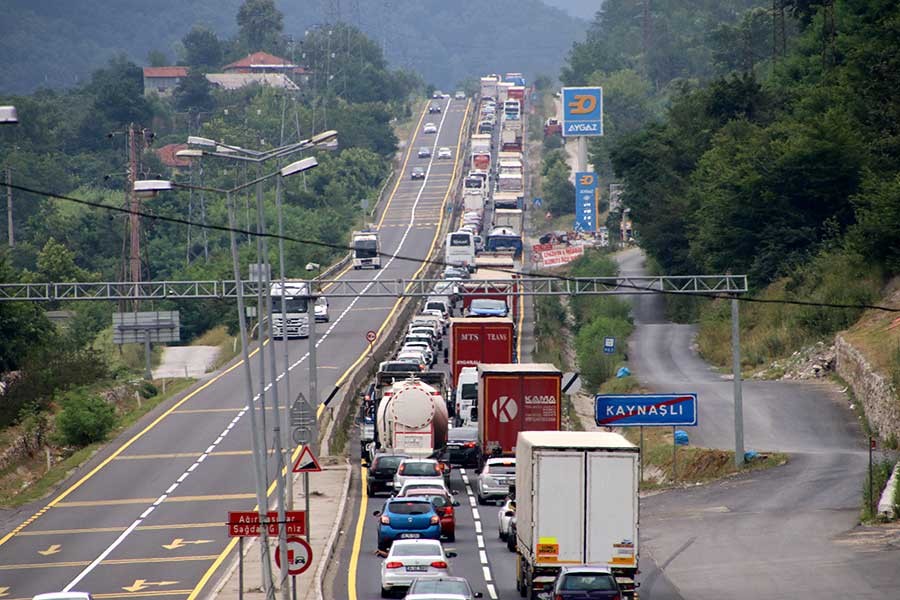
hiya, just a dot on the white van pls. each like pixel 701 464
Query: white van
pixel 467 397
pixel 460 248
pixel 441 303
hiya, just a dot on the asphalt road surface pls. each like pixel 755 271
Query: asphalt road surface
pixel 146 517
pixel 787 532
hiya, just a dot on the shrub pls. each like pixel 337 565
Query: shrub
pixel 84 419
pixel 147 389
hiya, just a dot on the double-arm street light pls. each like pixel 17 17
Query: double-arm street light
pixel 155 186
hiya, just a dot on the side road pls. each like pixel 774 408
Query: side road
pixel 327 499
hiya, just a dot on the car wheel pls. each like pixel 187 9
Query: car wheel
pixel 385 593
pixel 452 537
pixel 510 543
pixel 481 500
pixel 501 535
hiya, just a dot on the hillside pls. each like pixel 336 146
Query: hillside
pixel 53 44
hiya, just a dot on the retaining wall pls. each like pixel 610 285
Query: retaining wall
pixel 876 392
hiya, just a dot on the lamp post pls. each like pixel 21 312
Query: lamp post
pixel 8 116
pixel 152 186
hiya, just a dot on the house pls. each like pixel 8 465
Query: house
pixel 263 62
pixel 163 80
pixel 167 155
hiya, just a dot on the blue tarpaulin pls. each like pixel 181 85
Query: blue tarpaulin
pixel 623 372
pixel 681 437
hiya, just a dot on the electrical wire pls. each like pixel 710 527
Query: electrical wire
pixel 417 260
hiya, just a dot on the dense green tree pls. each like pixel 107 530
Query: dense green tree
pixel 157 58
pixel 261 25
pixel 194 93
pixel 202 48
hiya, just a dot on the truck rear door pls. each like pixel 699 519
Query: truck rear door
pixel 612 509
pixel 559 534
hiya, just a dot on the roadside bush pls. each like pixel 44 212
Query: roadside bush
pixel 147 389
pixel 597 367
pixel 84 419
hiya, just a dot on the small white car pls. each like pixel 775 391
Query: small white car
pixel 444 152
pixel 416 468
pixel 422 483
pixel 504 518
pixel 494 479
pixel 413 559
pixel 460 95
pixel 322 310
pixel 429 128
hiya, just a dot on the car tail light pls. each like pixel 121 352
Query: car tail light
pixel 435 520
pixel 400 469
pixel 393 565
pixel 558 597
pixel 439 564
pixel 385 520
pixel 470 444
pixel 448 511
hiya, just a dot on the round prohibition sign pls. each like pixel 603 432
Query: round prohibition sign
pixel 371 336
pixel 299 555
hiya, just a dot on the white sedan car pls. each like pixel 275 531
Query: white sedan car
pixel 429 128
pixel 413 559
pixel 504 518
pixel 444 152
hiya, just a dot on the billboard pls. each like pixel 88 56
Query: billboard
pixel 587 200
pixel 582 111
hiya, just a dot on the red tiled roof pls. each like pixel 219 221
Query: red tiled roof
pixel 258 59
pixel 165 71
pixel 167 155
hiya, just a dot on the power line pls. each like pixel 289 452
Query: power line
pixel 440 263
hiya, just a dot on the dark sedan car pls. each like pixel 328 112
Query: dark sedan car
pixel 382 471
pixel 462 447
pixel 586 583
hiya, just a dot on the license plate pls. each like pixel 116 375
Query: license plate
pixel 407 536
pixel 417 568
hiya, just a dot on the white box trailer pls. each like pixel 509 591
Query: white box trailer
pixel 576 503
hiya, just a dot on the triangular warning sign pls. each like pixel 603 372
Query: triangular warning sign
pixel 307 462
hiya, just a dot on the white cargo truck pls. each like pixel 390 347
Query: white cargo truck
pixel 295 318
pixel 576 504
pixel 365 250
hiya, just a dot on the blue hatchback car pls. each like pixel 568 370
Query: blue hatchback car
pixel 407 518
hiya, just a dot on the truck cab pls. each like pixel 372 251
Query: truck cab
pixel 295 318
pixel 365 250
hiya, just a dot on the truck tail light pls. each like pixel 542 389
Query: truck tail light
pixel 439 564
pixel 435 520
pixel 393 565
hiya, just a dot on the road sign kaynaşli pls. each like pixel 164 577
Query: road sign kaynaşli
pixel 645 409
pixel 246 523
pixel 371 336
pixel 299 555
pixel 307 462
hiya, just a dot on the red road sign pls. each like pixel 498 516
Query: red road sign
pixel 307 462
pixel 299 555
pixel 371 336
pixel 246 523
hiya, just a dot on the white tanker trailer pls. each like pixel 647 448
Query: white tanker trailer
pixel 411 417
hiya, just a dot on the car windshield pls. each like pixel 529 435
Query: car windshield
pixel 438 500
pixel 469 391
pixel 421 469
pixel 387 462
pixel 426 586
pixel 396 367
pixel 463 434
pixel 415 550
pixel 501 469
pixel 410 508
pixel 588 582
pixel 485 304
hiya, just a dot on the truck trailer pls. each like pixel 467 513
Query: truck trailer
pixel 576 504
pixel 513 398
pixel 476 340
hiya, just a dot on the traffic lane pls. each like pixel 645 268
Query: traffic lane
pixel 467 563
pixel 754 535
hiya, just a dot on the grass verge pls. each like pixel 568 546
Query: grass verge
pixel 229 346
pixel 29 481
pixel 691 465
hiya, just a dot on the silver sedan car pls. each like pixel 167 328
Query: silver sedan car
pixel 409 560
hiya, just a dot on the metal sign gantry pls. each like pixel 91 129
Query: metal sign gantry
pixel 392 288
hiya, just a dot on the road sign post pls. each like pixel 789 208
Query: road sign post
pixel 582 111
pixel 587 193
pixel 624 410
pixel 299 556
pixel 371 336
pixel 609 345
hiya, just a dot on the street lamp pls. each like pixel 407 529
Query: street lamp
pixel 158 185
pixel 8 116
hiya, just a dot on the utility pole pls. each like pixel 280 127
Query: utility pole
pixel 646 34
pixel 134 257
pixel 9 209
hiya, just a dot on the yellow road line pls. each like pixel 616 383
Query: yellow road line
pixel 117 453
pixel 109 596
pixel 120 501
pixel 115 561
pixel 39 532
pixel 357 537
pixel 363 503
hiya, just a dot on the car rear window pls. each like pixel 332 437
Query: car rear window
pixel 502 469
pixel 387 462
pixel 415 550
pixel 421 469
pixel 587 582
pixel 424 586
pixel 410 508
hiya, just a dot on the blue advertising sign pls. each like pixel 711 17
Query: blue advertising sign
pixel 609 345
pixel 587 193
pixel 645 409
pixel 582 111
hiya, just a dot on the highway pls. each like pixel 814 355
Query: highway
pixel 146 517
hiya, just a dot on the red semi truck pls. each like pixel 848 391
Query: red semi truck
pixel 476 340
pixel 515 398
